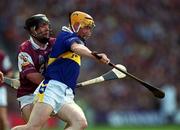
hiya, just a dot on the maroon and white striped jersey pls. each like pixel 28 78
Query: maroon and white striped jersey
pixel 31 58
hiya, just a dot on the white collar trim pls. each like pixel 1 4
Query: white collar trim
pixel 64 28
pixel 36 46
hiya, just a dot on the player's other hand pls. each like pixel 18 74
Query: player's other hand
pixel 1 77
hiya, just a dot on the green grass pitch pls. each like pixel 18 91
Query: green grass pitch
pixel 163 127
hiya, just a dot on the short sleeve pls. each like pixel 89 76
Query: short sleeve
pixel 25 63
pixel 70 41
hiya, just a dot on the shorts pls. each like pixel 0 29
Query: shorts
pixel 54 93
pixel 26 100
pixel 3 97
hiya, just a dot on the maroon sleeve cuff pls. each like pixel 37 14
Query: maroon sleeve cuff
pixel 28 69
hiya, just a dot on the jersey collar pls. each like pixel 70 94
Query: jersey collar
pixel 66 29
pixel 36 46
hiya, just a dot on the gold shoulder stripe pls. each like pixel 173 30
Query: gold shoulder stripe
pixel 67 55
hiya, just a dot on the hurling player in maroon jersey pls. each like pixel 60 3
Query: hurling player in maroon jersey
pixel 6 69
pixel 32 56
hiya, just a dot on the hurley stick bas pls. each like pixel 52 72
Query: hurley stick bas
pixel 154 90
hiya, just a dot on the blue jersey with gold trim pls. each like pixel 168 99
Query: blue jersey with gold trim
pixel 63 64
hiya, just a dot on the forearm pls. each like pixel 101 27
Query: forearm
pixel 81 50
pixel 84 51
pixel 35 77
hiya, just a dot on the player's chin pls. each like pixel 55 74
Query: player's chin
pixel 46 35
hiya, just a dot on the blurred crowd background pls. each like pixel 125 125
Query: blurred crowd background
pixel 143 35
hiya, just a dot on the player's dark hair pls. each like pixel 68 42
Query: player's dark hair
pixel 35 20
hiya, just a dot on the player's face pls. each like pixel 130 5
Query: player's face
pixel 43 30
pixel 85 32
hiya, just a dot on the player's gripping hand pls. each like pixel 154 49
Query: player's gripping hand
pixel 104 58
pixel 101 57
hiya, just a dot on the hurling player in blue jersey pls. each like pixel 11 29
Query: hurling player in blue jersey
pixel 55 95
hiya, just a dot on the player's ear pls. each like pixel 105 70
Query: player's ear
pixel 76 26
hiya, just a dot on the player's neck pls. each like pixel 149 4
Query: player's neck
pixel 35 41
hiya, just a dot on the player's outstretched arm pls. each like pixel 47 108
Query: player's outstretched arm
pixel 81 50
pixel 84 51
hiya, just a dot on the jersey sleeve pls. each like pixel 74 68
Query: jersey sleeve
pixel 70 41
pixel 25 63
